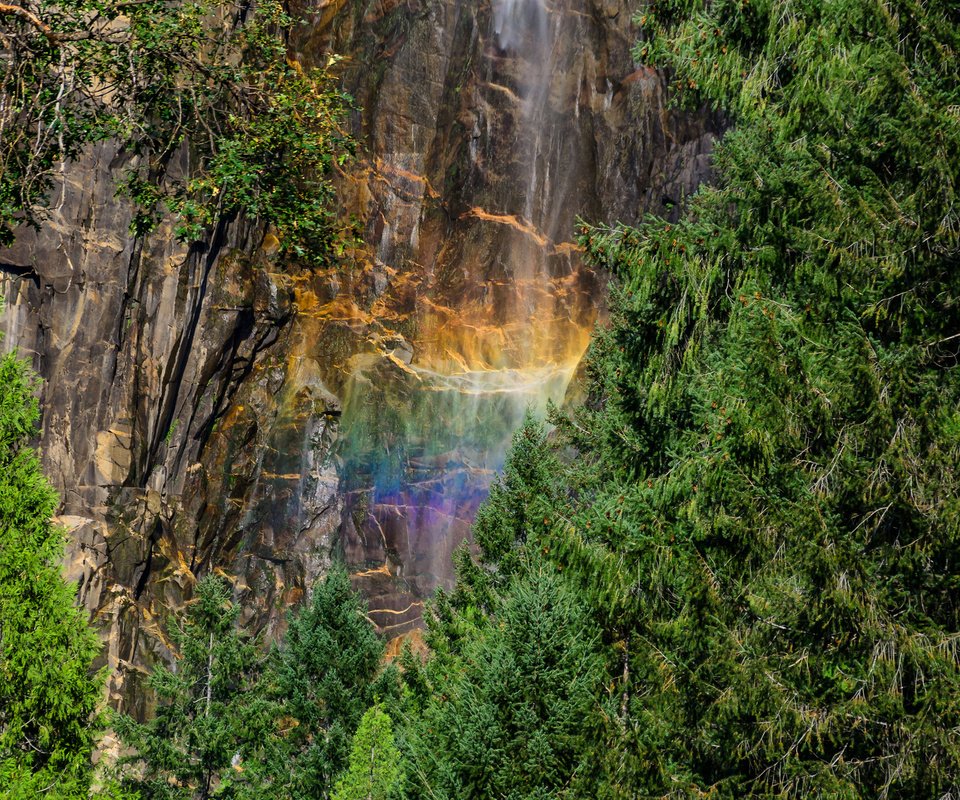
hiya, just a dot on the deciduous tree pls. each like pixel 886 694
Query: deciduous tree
pixel 202 96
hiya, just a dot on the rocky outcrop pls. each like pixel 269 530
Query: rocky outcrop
pixel 180 434
pixel 207 408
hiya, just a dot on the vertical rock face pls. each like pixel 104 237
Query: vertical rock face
pixel 210 409
pixel 488 128
pixel 179 432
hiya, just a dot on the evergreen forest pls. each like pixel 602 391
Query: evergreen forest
pixel 730 570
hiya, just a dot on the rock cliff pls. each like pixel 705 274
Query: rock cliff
pixel 208 408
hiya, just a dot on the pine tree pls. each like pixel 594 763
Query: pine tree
pixel 525 489
pixel 374 767
pixel 765 519
pixel 508 714
pixel 49 694
pixel 234 721
pixel 214 730
pixel 328 675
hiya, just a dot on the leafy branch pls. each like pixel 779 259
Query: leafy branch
pixel 205 83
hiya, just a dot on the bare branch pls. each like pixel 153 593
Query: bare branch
pixel 30 17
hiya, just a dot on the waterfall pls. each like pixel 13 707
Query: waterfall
pixel 502 320
pixel 516 22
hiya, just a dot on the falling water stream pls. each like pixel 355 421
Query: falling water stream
pixel 426 434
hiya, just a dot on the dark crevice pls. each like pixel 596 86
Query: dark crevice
pixel 243 327
pixel 275 560
pixel 21 272
pixel 129 295
pixel 178 366
pixel 144 578
pixel 241 369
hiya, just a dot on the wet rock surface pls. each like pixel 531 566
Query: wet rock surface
pixel 210 409
pixel 487 128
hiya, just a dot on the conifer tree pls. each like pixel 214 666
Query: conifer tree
pixel 49 694
pixel 766 519
pixel 235 721
pixel 373 770
pixel 328 675
pixel 213 731
pixel 507 716
pixel 525 488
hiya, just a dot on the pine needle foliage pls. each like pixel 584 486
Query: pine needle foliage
pixel 49 694
pixel 762 520
pixel 328 675
pixel 373 771
pixel 507 712
pixel 767 510
pixel 234 720
pixel 525 488
pixel 213 730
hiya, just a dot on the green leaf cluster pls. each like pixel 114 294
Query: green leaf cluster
pixel 205 97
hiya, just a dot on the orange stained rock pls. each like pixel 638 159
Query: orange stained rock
pixel 282 476
pixel 342 308
pixel 328 9
pixel 398 611
pixel 220 572
pixel 511 220
pixel 412 639
pixel 644 73
pixel 382 9
pixel 567 249
pixel 369 573
pixel 505 90
pixel 384 171
pixel 390 612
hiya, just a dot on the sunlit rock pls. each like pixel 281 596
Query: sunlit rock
pixel 209 409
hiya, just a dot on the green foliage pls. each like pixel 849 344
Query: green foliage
pixel 49 695
pixel 235 722
pixel 508 714
pixel 201 92
pixel 524 490
pixel 328 675
pixel 214 728
pixel 766 508
pixel 528 479
pixel 762 518
pixel 374 767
